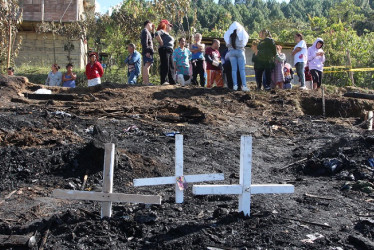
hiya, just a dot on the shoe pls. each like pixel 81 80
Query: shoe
pixel 165 83
pixel 235 87
pixel 267 89
pixel 303 88
pixel 245 89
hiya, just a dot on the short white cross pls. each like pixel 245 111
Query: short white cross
pixel 106 196
pixel 178 173
pixel 245 188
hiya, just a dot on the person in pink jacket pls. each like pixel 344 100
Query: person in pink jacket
pixel 316 60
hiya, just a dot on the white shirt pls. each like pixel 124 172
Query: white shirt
pixel 302 55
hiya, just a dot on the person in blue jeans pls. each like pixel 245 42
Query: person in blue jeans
pixel 300 54
pixel 133 62
pixel 236 39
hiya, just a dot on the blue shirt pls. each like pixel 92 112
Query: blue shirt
pixel 134 62
pixel 70 83
pixel 197 55
pixel 182 60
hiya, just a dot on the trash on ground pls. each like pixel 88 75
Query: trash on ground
pixel 43 91
pixel 312 238
pixel 61 113
pixel 89 130
pixel 132 128
pixel 332 165
pixel 171 134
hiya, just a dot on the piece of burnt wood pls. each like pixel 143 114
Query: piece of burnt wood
pixel 17 241
pixel 308 222
pixel 359 95
pixel 361 242
pixel 57 97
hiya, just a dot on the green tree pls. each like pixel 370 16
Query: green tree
pixel 11 16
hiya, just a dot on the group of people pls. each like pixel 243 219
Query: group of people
pixel 185 63
pixel 56 78
pixel 272 70
pixel 94 72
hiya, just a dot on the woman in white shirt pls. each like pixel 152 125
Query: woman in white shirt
pixel 300 57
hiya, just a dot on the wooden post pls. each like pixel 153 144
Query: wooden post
pixel 245 174
pixel 17 241
pixel 370 119
pixel 349 62
pixel 9 42
pixel 42 9
pixel 106 208
pixel 54 44
pixel 178 166
pixel 323 102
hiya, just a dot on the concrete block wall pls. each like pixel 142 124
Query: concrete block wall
pixel 38 50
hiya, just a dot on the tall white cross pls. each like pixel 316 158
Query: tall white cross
pixel 178 174
pixel 245 187
pixel 106 196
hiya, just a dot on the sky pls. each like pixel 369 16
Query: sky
pixel 103 6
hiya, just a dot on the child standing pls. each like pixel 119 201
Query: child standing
pixel 69 77
pixel 197 60
pixel 288 76
pixel 278 73
pixel 308 78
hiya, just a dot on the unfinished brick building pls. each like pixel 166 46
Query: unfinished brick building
pixel 44 49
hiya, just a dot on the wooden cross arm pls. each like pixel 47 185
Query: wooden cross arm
pixel 106 197
pixel 272 189
pixel 173 179
pixel 238 189
pixel 217 189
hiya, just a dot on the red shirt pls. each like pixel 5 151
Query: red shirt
pixel 94 71
pixel 308 75
pixel 215 55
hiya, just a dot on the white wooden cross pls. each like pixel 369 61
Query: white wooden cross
pixel 178 173
pixel 106 196
pixel 245 187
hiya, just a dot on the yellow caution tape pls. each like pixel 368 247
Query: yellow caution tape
pixel 361 69
pixel 327 72
pixel 335 67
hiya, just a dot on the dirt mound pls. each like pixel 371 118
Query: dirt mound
pixel 56 142
pixel 12 87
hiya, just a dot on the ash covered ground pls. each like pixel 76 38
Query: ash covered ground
pixel 53 143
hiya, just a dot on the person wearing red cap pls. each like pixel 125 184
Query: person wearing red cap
pixel 166 52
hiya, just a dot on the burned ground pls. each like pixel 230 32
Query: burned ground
pixel 49 144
